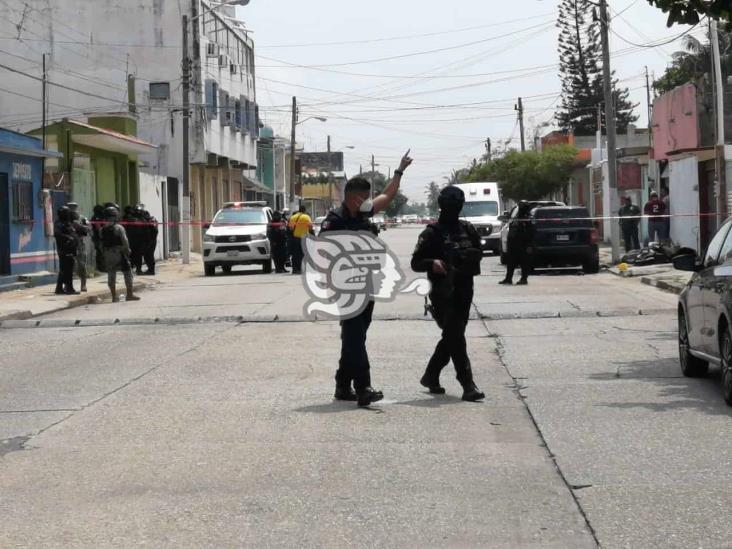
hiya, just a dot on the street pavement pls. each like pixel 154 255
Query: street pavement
pixel 202 416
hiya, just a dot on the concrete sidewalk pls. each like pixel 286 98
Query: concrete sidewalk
pixel 662 276
pixel 40 300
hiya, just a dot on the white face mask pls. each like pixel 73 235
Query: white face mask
pixel 366 206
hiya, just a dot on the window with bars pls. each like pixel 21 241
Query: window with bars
pixel 22 201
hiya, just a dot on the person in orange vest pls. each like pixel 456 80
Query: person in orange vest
pixel 300 226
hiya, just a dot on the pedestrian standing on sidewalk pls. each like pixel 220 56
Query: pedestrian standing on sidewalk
pixel 354 215
pixel 66 247
pixel 518 242
pixel 629 221
pixel 449 251
pixel 655 209
pixel 82 229
pixel 277 235
pixel 117 255
pixel 300 226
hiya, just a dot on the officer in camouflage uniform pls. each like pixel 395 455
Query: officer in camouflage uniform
pixel 449 252
pixel 83 230
pixel 116 249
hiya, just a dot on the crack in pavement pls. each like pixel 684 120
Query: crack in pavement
pixel 501 353
pixel 19 443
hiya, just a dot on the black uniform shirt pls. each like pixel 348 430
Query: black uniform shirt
pixel 341 219
pixel 432 245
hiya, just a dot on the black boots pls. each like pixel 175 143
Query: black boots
pixel 368 396
pixel 506 281
pixel 471 393
pixel 345 393
pixel 432 384
pixel 522 282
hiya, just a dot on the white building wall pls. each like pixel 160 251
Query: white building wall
pixel 93 46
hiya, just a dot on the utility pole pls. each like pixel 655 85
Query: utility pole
pixel 488 149
pixel 43 106
pixel 186 204
pixel 650 111
pixel 292 153
pixel 520 109
pixel 611 131
pixel 330 178
pixel 719 108
pixel 373 175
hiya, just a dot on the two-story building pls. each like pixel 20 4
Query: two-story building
pixel 107 57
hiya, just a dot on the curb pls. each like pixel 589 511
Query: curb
pixel 670 287
pixel 77 301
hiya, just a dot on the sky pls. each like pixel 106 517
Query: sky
pixel 434 77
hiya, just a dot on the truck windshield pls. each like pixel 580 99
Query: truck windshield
pixel 240 217
pixel 480 209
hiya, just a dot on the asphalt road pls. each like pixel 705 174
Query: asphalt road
pixel 170 422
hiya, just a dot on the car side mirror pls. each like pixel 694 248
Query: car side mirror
pixel 503 218
pixel 687 262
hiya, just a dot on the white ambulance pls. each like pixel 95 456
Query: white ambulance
pixel 482 207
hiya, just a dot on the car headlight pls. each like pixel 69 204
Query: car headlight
pixel 259 236
pixel 209 238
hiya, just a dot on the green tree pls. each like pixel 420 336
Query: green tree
pixel 691 11
pixel 432 191
pixel 530 175
pixel 581 72
pixel 694 62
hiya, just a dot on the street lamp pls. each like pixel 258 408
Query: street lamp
pixel 295 123
pixel 186 84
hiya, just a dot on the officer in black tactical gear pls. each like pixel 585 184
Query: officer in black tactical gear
pixel 519 246
pixel 449 252
pixel 67 244
pixel 134 225
pixel 116 254
pixel 354 215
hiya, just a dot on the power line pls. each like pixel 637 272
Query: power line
pixel 405 37
pixel 413 54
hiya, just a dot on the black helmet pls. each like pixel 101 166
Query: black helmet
pixel 64 214
pixel 98 209
pixel 451 196
pixel 111 213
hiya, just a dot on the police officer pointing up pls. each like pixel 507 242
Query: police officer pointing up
pixel 354 215
pixel 449 252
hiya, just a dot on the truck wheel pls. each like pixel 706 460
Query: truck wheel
pixel 267 266
pixel 209 270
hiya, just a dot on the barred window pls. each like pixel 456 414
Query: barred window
pixel 22 201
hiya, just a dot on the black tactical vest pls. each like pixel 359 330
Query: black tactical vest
pixel 110 237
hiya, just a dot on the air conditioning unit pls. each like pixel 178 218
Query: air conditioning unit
pixel 212 49
pixel 233 68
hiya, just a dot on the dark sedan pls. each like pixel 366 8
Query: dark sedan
pixel 705 310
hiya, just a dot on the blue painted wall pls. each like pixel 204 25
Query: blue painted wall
pixel 30 249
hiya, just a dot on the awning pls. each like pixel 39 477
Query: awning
pixel 255 184
pixel 108 140
pixel 34 153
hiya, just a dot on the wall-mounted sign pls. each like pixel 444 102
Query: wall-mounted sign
pixel 22 172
